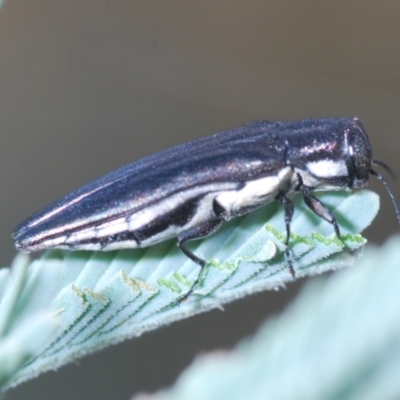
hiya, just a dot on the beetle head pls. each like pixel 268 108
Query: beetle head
pixel 360 153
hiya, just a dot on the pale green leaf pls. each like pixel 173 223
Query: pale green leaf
pixel 81 302
pixel 340 340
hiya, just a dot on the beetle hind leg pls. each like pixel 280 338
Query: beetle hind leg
pixel 194 233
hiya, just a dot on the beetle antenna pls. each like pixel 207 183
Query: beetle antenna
pixel 389 190
pixel 386 167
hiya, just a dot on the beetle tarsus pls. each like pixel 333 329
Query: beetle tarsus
pixel 198 261
pixel 290 265
pixel 190 291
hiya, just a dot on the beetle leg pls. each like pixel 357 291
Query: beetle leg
pixel 321 210
pixel 289 209
pixel 318 208
pixel 196 232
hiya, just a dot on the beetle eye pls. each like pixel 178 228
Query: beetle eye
pixel 361 156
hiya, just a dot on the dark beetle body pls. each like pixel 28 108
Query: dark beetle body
pixel 222 163
pixel 188 191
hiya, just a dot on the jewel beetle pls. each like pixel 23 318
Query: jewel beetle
pixel 188 191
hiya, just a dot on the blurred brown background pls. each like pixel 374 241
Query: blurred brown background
pixel 87 86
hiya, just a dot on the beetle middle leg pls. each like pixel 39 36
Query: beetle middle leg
pixel 196 232
pixel 289 209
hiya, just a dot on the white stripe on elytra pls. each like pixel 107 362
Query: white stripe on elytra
pixel 170 203
pixel 143 217
pixel 204 212
pixel 328 168
pixel 254 192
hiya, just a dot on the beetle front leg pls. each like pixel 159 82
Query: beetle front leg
pixel 317 207
pixel 289 209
